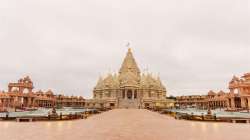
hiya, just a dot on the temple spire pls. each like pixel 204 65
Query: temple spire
pixel 130 50
pixel 129 64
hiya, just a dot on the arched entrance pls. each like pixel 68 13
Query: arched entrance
pixel 237 102
pixel 129 94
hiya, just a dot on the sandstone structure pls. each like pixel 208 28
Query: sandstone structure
pixel 129 88
pixel 238 97
pixel 20 95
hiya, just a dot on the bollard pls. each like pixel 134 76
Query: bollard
pixel 75 115
pixel 7 115
pixel 61 116
pixel 202 116
pixel 215 117
pixel 49 115
pixel 70 115
pixel 85 115
pixel 192 116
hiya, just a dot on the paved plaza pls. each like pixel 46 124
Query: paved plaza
pixel 124 124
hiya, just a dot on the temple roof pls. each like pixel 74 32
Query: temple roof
pixel 129 64
pixel 129 75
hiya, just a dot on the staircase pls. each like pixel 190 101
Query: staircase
pixel 128 103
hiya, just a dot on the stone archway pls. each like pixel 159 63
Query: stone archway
pixel 26 90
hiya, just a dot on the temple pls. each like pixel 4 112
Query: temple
pixel 129 88
pixel 20 95
pixel 238 97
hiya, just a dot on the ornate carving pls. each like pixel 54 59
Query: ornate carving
pixel 129 83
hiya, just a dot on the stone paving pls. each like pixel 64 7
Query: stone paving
pixel 124 124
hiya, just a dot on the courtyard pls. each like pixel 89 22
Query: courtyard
pixel 124 124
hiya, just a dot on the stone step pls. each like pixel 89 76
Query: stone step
pixel 126 103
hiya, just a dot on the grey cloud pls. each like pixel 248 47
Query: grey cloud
pixel 65 45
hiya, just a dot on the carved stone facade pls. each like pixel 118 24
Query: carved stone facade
pixel 20 95
pixel 237 99
pixel 212 100
pixel 129 88
pixel 239 92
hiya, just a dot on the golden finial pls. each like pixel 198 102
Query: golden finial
pixel 128 46
pixel 129 49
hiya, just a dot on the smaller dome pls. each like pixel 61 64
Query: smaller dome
pixel 148 81
pixel 108 81
pixel 221 93
pixel 211 93
pixel 111 81
pixel 144 82
pixel 116 83
pixel 49 92
pixel 153 82
pixel 234 80
pixel 160 83
pixel 99 84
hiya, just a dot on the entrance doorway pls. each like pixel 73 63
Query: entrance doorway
pixel 237 101
pixel 129 94
pixel 112 105
pixel 246 104
pixel 146 105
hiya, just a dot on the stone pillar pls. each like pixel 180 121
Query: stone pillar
pixel 133 94
pixel 232 103
pixel 248 103
pixel 243 105
pixel 126 92
pixel 122 94
pixel 136 94
pixel 21 89
pixel 29 102
pixel 227 103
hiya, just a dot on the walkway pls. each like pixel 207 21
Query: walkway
pixel 124 124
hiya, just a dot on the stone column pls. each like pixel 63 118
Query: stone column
pixel 29 102
pixel 227 103
pixel 248 103
pixel 136 93
pixel 133 94
pixel 232 103
pixel 123 93
pixel 243 105
pixel 126 92
pixel 21 89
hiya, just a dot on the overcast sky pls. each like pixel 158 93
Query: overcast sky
pixel 65 45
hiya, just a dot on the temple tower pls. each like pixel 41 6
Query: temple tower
pixel 129 88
